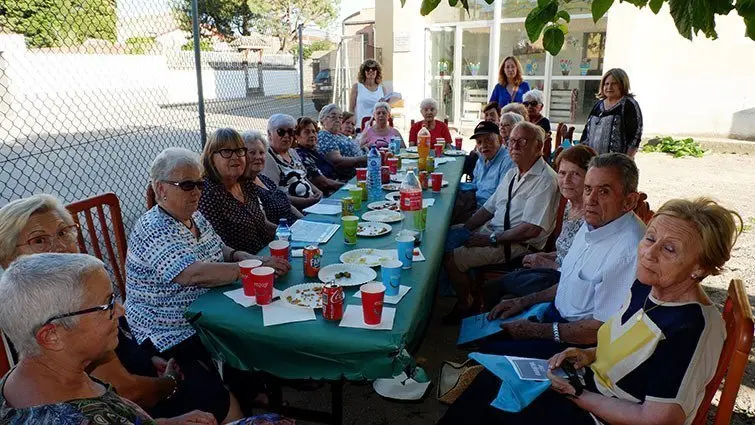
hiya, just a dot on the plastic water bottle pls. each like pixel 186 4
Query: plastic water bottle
pixel 283 232
pixel 411 206
pixel 374 184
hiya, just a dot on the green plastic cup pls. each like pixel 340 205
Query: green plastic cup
pixel 350 224
pixel 420 220
pixel 356 196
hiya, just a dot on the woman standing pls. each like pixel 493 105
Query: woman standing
pixel 615 122
pixel 367 91
pixel 380 133
pixel 533 101
pixel 510 87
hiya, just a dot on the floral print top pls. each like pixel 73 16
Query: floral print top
pixel 569 228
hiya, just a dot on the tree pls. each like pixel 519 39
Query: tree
pixel 57 23
pixel 281 18
pixel 691 17
pixel 224 18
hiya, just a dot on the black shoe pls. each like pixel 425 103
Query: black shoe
pixel 455 316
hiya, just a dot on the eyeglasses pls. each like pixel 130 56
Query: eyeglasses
pixel 104 307
pixel 370 68
pixel 533 103
pixel 283 131
pixel 334 116
pixel 227 153
pixel 517 142
pixel 44 243
pixel 188 185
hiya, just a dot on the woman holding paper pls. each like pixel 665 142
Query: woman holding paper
pixel 368 91
pixel 655 355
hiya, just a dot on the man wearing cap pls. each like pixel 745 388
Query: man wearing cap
pixel 517 218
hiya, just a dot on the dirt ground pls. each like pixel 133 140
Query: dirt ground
pixel 727 178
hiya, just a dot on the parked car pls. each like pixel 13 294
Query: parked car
pixel 322 89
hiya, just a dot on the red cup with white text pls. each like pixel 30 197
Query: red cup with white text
pixel 361 174
pixel 439 149
pixel 393 165
pixel 263 279
pixel 373 294
pixel 457 142
pixel 280 249
pixel 245 270
pixel 437 181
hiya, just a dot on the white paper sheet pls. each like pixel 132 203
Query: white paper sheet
pixel 443 160
pixel 279 313
pixel 238 296
pixel 349 186
pixel 312 231
pixel 354 318
pixel 428 202
pixel 325 207
pixel 402 290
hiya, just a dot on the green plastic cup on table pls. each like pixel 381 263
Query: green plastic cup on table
pixel 356 196
pixel 420 220
pixel 350 224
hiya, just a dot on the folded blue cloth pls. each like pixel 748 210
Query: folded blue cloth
pixel 515 394
pixel 477 327
pixel 467 187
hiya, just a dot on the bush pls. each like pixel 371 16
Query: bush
pixel 679 148
pixel 204 45
pixel 139 45
pixel 321 46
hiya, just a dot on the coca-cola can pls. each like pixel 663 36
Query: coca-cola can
pixel 311 257
pixel 332 301
pixel 385 174
pixel 423 179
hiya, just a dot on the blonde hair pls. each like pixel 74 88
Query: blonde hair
pixel 222 138
pixel 503 80
pixel 621 77
pixel 15 216
pixel 515 107
pixel 716 225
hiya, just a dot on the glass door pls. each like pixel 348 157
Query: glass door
pixel 475 54
pixel 514 42
pixel 440 70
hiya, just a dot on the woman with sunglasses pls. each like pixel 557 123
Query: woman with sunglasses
pixel 284 165
pixel 40 224
pixel 367 91
pixel 533 101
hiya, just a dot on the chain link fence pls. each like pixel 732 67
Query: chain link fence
pixel 89 96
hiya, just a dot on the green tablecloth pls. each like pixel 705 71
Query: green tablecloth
pixel 321 349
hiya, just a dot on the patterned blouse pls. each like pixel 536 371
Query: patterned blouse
pixel 569 228
pixel 328 142
pixel 315 163
pixel 107 409
pixel 293 174
pixel 614 130
pixel 241 225
pixel 275 202
pixel 159 249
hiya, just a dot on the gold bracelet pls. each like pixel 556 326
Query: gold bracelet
pixel 175 386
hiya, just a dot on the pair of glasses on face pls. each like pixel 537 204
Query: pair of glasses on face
pixel 370 68
pixel 533 103
pixel 187 185
pixel 104 307
pixel 227 153
pixel 517 142
pixel 283 131
pixel 45 243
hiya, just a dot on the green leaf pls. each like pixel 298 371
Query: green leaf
pixel 543 3
pixel 403 3
pixel 655 5
pixel 428 6
pixel 538 18
pixel 453 3
pixel 746 9
pixel 599 8
pixel 638 3
pixel 553 40
pixel 564 28
pixel 564 15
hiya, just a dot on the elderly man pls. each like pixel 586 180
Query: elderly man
pixel 518 217
pixel 596 274
pixel 438 129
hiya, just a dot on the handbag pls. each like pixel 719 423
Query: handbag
pixel 455 378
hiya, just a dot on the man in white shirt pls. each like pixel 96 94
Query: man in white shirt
pixel 518 217
pixel 596 273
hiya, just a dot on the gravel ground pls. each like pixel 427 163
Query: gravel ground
pixel 725 177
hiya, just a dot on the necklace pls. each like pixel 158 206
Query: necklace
pixel 643 311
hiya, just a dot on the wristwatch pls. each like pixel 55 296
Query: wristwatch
pixel 493 239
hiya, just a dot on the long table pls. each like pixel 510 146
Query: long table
pixel 321 349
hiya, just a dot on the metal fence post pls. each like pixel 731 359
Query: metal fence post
pixel 301 71
pixel 198 69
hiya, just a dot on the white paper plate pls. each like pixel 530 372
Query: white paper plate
pixel 383 216
pixel 391 186
pixel 455 153
pixel 393 196
pixel 409 156
pixel 411 149
pixel 383 205
pixel 359 274
pixel 366 257
pixel 372 229
pixel 303 296
pixel 398 178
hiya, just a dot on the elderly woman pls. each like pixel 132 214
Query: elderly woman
pixel 379 134
pixel 319 170
pixel 542 270
pixel 516 108
pixel 533 101
pixel 438 129
pixel 657 353
pixel 348 124
pixel 615 122
pixel 274 202
pixel 40 224
pixel 284 166
pixel 339 150
pixel 61 314
pixel 508 121
pixel 511 87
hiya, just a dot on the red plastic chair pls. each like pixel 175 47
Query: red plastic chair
pixel 115 253
pixel 368 120
pixel 4 360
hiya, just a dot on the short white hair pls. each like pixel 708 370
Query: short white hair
pixel 277 121
pixel 428 103
pixel 170 159
pixel 327 110
pixel 15 216
pixel 38 287
pixel 533 94
pixel 511 118
pixel 251 136
pixel 383 105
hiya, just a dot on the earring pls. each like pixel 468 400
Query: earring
pixel 693 276
pixel 165 198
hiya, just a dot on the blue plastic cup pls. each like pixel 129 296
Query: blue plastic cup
pixel 405 250
pixel 391 273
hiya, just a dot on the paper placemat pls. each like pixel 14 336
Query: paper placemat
pixel 279 313
pixel 238 296
pixel 402 290
pixel 443 160
pixel 428 202
pixel 354 318
pixel 325 207
pixel 297 253
pixel 349 186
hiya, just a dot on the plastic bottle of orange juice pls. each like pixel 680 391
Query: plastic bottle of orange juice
pixel 423 147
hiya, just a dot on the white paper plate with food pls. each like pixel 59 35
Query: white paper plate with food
pixel 305 295
pixel 383 205
pixel 366 257
pixel 455 152
pixel 393 196
pixel 383 216
pixel 391 186
pixel 373 229
pixel 347 274
pixel 412 149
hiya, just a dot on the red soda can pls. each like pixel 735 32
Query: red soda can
pixel 385 174
pixel 423 179
pixel 312 258
pixel 332 301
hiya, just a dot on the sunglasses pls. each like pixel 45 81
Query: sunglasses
pixel 187 185
pixel 105 307
pixel 534 103
pixel 282 132
pixel 227 153
pixel 370 68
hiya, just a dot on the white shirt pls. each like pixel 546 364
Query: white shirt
pixel 534 200
pixel 599 269
pixel 366 100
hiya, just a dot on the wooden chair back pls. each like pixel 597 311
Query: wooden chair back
pixel 550 244
pixel 5 363
pixel 560 132
pixel 547 149
pixel 368 120
pixel 643 210
pixel 151 196
pixel 738 318
pixel 110 249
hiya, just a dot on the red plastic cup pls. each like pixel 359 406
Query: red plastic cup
pixel 279 249
pixel 439 149
pixel 437 181
pixel 457 142
pixel 246 268
pixel 372 302
pixel 361 174
pixel 263 277
pixel 393 165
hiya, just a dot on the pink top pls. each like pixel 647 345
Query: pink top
pixel 370 138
